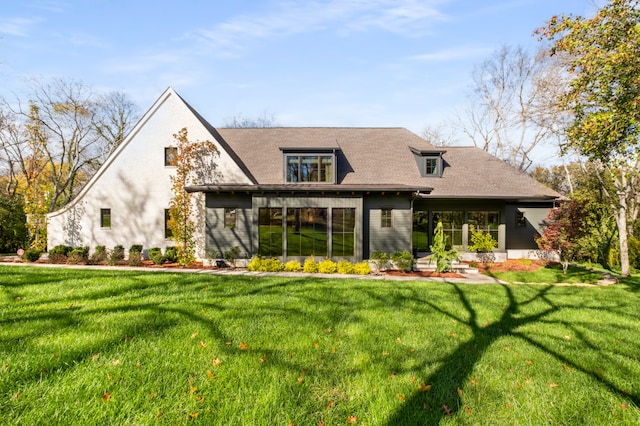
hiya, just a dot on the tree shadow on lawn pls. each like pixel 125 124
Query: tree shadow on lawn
pixel 456 369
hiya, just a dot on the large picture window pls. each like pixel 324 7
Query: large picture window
pixel 309 168
pixel 306 232
pixel 343 232
pixel 270 224
pixel 487 221
pixel 452 222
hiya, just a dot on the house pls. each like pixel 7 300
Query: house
pixel 298 192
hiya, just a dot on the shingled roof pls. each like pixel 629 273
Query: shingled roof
pixel 375 158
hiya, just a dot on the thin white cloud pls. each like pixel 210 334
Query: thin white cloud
pixel 19 27
pixel 342 16
pixel 459 53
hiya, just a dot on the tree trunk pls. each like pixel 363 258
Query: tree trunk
pixel 621 220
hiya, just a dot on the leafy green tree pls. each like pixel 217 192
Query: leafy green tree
pixel 604 96
pixel 13 231
pixel 441 253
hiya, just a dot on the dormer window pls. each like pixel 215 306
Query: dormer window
pixel 309 165
pixel 430 162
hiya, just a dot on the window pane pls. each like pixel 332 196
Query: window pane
pixel 230 217
pixel 170 154
pixel 306 232
pixel 431 166
pixel 343 232
pixel 326 168
pixel 420 229
pixel 270 239
pixel 487 221
pixel 309 169
pixel 105 218
pixel 293 168
pixel 452 222
pixel 168 233
pixel 385 218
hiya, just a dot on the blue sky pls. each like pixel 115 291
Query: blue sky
pixel 395 63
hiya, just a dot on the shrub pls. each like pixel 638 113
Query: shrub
pixel 171 254
pixel 116 255
pixel 362 268
pixel 271 265
pixel 155 254
pixel 403 260
pixel 99 255
pixel 135 259
pixel 310 265
pixel 293 266
pixel 135 248
pixel 31 255
pixel 79 255
pixel 345 267
pixel 481 242
pixel 442 255
pixel 254 264
pixel 327 266
pixel 379 259
pixel 59 254
pixel 232 254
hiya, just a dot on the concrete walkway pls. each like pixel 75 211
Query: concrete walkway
pixel 468 278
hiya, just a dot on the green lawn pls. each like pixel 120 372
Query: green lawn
pixel 111 347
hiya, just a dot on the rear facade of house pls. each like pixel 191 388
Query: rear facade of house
pixel 292 193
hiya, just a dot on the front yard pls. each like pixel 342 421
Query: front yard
pixel 113 347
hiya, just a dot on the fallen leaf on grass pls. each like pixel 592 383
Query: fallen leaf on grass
pixel 459 392
pixel 193 415
pixel 423 387
pixel 399 340
pixel 193 389
pixel 401 397
pixel 553 385
pixel 474 382
pixel 529 362
pixel 300 379
pixel 203 344
pixel 316 345
pixel 329 405
pixel 210 374
pixel 106 397
pixel 329 330
pixel 263 358
pixel 467 409
pixel 153 395
pixel 447 411
pixel 159 414
pixel 216 361
pixel 352 419
pixel 228 343
pixel 194 335
pixel 566 368
pixel 624 406
pixel 243 346
pixel 116 362
pixel 385 353
pixel 567 338
pixel 412 379
pixel 95 357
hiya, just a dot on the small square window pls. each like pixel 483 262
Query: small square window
pixel 170 156
pixel 230 215
pixel 168 233
pixel 385 218
pixel 431 165
pixel 521 220
pixel 105 218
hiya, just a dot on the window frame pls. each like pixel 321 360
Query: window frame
pixel 170 156
pixel 168 233
pixel 314 166
pixel 230 212
pixel 386 218
pixel 105 216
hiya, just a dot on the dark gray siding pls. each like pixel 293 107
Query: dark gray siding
pixel 395 238
pixel 221 239
pixel 523 237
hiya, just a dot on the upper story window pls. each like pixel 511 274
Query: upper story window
pixel 170 156
pixel 309 165
pixel 430 162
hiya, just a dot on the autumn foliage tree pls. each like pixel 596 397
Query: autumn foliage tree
pixel 194 162
pixel 563 227
pixel 604 96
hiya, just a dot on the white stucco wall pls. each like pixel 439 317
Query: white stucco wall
pixel 135 184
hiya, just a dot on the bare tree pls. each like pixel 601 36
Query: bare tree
pixel 513 107
pixel 438 135
pixel 65 130
pixel 243 121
